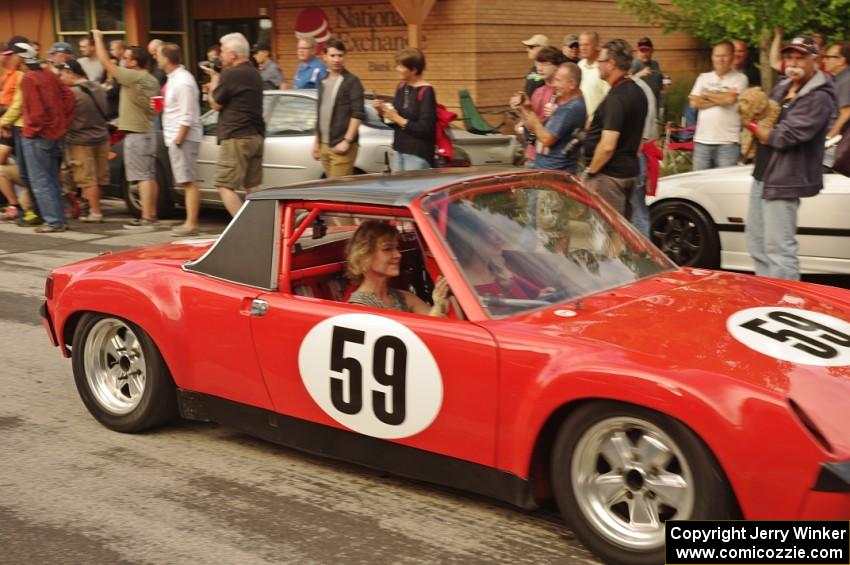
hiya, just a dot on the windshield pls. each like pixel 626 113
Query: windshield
pixel 524 245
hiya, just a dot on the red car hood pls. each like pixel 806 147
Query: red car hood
pixel 679 321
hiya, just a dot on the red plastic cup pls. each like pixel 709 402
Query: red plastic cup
pixel 157 103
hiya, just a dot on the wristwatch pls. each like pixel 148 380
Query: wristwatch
pixel 348 141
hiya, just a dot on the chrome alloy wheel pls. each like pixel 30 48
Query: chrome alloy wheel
pixel 115 366
pixel 629 477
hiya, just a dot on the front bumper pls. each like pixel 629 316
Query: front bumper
pixel 48 324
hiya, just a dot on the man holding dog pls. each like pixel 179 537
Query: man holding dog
pixel 788 161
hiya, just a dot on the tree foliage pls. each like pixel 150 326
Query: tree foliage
pixel 750 20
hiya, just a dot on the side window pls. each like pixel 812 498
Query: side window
pixel 292 115
pixel 209 121
pixel 373 120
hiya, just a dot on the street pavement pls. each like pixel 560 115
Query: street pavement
pixel 72 491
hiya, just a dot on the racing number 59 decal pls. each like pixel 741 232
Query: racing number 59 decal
pixel 371 374
pixel 791 334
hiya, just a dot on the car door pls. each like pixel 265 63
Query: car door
pixel 823 226
pixel 428 383
pixel 420 381
pixel 290 134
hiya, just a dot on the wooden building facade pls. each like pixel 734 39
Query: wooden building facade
pixel 471 44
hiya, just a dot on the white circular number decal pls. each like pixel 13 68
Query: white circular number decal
pixel 372 375
pixel 791 334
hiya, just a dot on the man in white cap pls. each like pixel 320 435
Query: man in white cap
pixel 48 107
pixel 534 44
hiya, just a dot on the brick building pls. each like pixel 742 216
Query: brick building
pixel 472 44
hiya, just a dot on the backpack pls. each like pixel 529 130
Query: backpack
pixel 443 146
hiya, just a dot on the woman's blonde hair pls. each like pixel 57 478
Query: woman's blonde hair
pixel 363 245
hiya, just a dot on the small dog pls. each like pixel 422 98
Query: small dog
pixel 755 105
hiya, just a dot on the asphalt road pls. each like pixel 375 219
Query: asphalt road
pixel 72 491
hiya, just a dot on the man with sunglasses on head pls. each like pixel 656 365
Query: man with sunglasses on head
pixel 616 129
pixel 788 160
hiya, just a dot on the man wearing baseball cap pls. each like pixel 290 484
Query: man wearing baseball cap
pixel 61 52
pixel 533 45
pixel 87 139
pixel 788 160
pixel 570 48
pixel 48 110
pixel 646 68
pixel 270 71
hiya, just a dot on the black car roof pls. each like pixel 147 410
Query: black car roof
pixel 395 189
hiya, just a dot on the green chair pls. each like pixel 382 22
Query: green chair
pixel 475 123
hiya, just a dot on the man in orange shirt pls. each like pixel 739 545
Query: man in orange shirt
pixel 10 76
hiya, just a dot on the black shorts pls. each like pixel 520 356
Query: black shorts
pixel 7 141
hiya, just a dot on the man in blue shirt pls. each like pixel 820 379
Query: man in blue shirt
pixel 311 71
pixel 557 132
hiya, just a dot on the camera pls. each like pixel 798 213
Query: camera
pixel 214 64
pixel 576 140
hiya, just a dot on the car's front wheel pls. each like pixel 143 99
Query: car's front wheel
pixel 686 234
pixel 120 375
pixel 620 471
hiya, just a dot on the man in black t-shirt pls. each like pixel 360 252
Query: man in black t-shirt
pixel 237 93
pixel 615 133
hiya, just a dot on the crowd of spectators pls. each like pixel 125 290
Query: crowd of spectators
pixel 587 107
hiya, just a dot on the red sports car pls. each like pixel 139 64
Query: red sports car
pixel 576 361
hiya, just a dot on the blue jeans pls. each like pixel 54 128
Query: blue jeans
pixel 640 213
pixel 42 158
pixel 408 162
pixel 771 231
pixel 714 156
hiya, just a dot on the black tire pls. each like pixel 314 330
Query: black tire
pixel 118 407
pixel 165 199
pixel 580 457
pixel 685 233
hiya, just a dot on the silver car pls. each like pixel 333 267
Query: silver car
pixel 291 129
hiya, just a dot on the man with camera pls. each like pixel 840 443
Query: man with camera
pixel 563 125
pixel 237 93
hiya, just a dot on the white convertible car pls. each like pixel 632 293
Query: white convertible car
pixel 698 219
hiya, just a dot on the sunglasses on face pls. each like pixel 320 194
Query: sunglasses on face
pixel 531 46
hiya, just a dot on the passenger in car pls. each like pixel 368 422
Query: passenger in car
pixel 374 260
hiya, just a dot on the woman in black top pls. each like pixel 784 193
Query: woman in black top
pixel 413 114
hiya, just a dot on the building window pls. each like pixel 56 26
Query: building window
pixel 75 18
pixel 167 20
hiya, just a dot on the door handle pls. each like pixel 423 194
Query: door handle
pixel 259 307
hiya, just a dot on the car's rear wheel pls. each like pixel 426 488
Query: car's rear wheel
pixel 620 471
pixel 686 234
pixel 120 375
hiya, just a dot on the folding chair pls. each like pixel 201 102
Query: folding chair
pixel 678 149
pixel 472 118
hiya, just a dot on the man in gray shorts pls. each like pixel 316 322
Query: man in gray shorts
pixel 135 118
pixel 181 129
